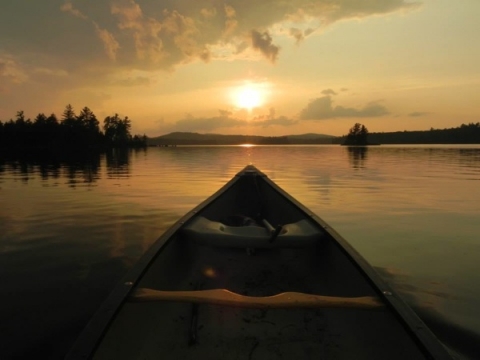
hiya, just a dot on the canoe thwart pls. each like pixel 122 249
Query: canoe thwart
pixel 204 231
pixel 227 298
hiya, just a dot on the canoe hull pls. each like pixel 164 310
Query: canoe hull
pixel 321 263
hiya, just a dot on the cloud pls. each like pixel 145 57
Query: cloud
pixel 191 123
pixel 271 119
pixel 231 22
pixel 10 70
pixel 263 43
pixel 50 72
pixel 133 81
pixel 109 43
pixel 226 119
pixel 68 8
pixel 184 30
pixel 299 35
pixel 144 31
pixel 281 120
pixel 418 114
pixel 321 108
pixel 328 92
pixel 109 37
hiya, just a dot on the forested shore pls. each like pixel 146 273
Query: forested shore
pixel 71 132
pixel 464 134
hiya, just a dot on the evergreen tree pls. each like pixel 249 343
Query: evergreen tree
pixel 68 117
pixel 117 131
pixel 357 135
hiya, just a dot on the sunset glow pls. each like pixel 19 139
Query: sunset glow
pixel 248 97
pixel 317 66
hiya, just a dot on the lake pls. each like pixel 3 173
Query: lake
pixel 71 226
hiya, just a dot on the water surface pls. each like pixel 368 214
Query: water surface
pixel 70 227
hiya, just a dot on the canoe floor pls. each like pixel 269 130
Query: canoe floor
pixel 184 331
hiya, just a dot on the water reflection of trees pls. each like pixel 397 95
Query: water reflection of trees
pixel 78 168
pixel 357 156
pixel 75 167
pixel 118 163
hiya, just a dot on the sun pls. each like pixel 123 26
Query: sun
pixel 248 96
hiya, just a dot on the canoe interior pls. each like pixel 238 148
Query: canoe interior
pixel 174 330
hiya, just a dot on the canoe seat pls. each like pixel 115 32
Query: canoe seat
pixel 208 232
pixel 279 301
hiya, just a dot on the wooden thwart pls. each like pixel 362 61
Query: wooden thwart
pixel 228 298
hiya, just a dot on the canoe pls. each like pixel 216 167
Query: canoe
pixel 251 273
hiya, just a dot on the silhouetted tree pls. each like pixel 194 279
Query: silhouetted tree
pixel 90 126
pixel 357 135
pixel 117 131
pixel 73 132
pixel 68 117
pixel 89 121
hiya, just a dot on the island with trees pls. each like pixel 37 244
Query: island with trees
pixel 357 136
pixel 71 132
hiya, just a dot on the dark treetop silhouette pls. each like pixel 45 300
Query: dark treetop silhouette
pixel 75 132
pixel 357 135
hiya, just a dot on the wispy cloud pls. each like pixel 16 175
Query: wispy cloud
pixel 110 44
pixel 281 121
pixel 271 119
pixel 328 92
pixel 11 70
pixel 133 81
pixel 418 114
pixel 191 123
pixel 68 8
pixel 224 120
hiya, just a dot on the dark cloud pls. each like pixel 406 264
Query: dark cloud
pixel 149 33
pixel 322 108
pixel 263 43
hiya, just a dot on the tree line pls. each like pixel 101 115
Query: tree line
pixel 464 134
pixel 72 131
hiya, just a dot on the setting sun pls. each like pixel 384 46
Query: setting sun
pixel 248 96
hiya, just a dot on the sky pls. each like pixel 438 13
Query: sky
pixel 269 67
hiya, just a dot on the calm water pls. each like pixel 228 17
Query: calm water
pixel 70 228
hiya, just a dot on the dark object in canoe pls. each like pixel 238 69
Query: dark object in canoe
pixel 223 282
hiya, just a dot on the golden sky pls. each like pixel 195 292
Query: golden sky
pixel 265 67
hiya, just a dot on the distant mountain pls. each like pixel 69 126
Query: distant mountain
pixel 464 134
pixel 188 138
pixel 310 136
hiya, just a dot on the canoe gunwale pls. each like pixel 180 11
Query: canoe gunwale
pixel 91 336
pixel 422 335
